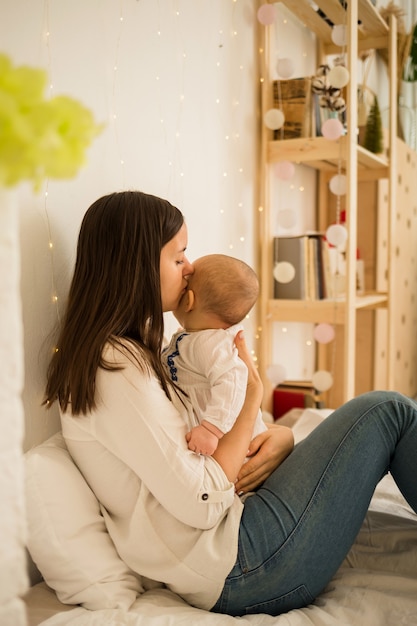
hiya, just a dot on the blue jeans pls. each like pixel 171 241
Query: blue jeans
pixel 298 527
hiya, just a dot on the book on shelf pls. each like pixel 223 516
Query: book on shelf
pixel 306 253
pixel 294 98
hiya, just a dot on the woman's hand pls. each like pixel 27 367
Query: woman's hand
pixel 266 452
pixel 233 446
pixel 254 384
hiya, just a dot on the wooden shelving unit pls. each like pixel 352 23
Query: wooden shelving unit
pixel 324 155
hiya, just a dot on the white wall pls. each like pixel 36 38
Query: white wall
pixel 175 82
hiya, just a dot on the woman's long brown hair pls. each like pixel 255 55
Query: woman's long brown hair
pixel 115 293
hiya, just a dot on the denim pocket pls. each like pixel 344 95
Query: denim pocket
pixel 295 599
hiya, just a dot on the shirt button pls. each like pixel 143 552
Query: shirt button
pixel 204 496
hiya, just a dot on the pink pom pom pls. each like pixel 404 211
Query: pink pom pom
pixel 332 129
pixel 323 333
pixel 266 14
pixel 284 170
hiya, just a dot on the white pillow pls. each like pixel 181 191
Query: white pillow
pixel 67 536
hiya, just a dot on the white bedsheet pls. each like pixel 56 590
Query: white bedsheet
pixel 376 585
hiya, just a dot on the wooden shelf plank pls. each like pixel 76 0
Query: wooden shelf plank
pixel 315 311
pixel 371 26
pixel 370 161
pixel 303 10
pixel 321 153
pixel 372 22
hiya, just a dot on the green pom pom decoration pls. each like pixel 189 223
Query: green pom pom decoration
pixel 39 137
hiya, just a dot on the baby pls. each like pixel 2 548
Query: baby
pixel 202 358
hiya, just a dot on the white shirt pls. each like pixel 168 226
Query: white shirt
pixel 205 364
pixel 173 515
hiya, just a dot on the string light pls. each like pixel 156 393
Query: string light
pixel 113 115
pixel 50 244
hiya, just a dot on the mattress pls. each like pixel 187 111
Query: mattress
pixel 375 586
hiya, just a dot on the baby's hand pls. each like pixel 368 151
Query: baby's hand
pixel 201 441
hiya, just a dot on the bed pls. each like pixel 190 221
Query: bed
pixel 375 586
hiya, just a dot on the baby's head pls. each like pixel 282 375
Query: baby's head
pixel 221 292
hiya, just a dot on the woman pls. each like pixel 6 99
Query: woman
pixel 175 516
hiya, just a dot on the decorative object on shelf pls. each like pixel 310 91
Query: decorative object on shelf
pixel 373 140
pixel 410 67
pixel 39 137
pixel 407 109
pixel 330 95
pixel 365 94
pixel 329 102
pixel 404 43
pixel 294 98
pixel 365 101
